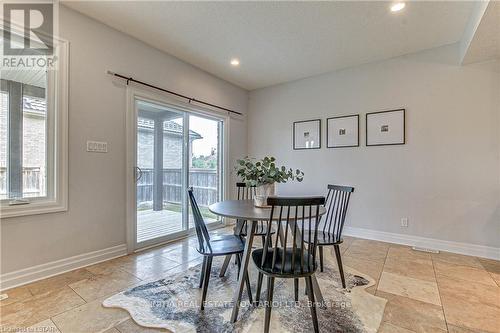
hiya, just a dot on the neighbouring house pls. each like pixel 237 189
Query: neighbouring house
pixel 33 147
pixel 172 144
pixel 172 156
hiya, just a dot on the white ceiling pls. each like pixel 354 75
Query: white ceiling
pixel 282 41
pixel 486 42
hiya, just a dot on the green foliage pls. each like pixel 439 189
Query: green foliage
pixel 204 162
pixel 259 172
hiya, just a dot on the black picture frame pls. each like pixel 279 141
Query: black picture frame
pixel 386 144
pixel 306 121
pixel 339 117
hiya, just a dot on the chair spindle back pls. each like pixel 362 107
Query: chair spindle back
pixel 245 192
pixel 296 216
pixel 199 224
pixel 337 202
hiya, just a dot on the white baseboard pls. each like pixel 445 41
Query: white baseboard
pixel 43 271
pixel 430 243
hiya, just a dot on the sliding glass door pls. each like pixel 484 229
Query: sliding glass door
pixel 205 164
pixel 175 149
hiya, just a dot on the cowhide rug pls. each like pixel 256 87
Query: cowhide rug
pixel 173 303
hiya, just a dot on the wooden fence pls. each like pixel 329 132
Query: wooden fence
pixel 204 182
pixel 33 182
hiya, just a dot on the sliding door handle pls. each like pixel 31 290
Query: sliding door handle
pixel 138 174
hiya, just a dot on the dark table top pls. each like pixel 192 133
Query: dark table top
pixel 245 209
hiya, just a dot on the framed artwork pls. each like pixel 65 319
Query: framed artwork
pixel 342 132
pixel 307 134
pixel 385 128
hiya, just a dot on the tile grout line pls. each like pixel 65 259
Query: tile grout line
pixel 75 307
pixel 123 270
pixel 85 302
pixel 21 300
pixel 116 327
pixel 96 276
pixel 121 322
pixel 489 273
pixel 29 290
pixel 439 293
pixel 53 322
pixel 39 295
pixel 470 268
pixel 442 308
pixel 494 280
pixel 378 283
pixel 383 266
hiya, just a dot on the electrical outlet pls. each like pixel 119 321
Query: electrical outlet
pixel 404 222
pixel 97 147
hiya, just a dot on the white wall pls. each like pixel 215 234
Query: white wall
pixel 96 216
pixel 445 179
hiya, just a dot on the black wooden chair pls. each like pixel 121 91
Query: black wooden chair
pixel 215 246
pixel 330 233
pixel 247 193
pixel 295 260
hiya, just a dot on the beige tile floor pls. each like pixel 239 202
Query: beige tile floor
pixel 426 292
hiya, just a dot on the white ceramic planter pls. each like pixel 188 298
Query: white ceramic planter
pixel 262 192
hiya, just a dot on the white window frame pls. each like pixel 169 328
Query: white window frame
pixel 56 199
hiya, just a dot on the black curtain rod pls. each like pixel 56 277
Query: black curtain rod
pixel 190 99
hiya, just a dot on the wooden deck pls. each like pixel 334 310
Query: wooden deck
pixel 153 224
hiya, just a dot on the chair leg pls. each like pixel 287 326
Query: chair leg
pixel 202 273
pixel 320 258
pixel 339 263
pixel 205 282
pixel 238 262
pixel 259 288
pixel 223 270
pixel 270 287
pixel 296 289
pixel 247 278
pixel 313 304
pixel 249 290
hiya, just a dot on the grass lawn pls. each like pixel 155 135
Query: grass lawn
pixel 177 208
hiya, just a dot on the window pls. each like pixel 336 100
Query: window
pixel 23 157
pixel 33 135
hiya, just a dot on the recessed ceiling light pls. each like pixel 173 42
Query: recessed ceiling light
pixel 235 62
pixel 396 7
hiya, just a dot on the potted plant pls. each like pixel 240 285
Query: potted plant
pixel 263 175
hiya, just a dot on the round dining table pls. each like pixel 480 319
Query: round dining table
pixel 244 210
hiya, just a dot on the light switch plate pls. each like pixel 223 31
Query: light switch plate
pixel 97 147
